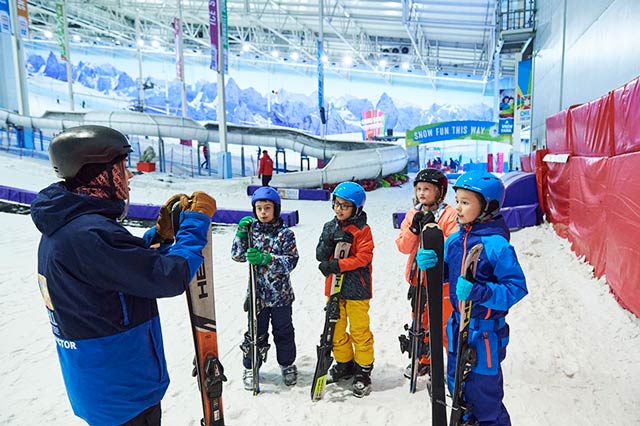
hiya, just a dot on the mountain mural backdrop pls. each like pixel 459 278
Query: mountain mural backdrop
pixel 248 106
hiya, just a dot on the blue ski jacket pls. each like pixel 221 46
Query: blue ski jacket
pixel 499 282
pixel 99 284
pixel 273 281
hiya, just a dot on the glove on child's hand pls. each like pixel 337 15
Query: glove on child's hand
pixel 244 225
pixel 426 259
pixel 328 267
pixel 341 235
pixel 258 257
pixel 463 288
pixel 416 223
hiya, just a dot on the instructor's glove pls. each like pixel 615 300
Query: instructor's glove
pixel 202 203
pixel 328 267
pixel 426 259
pixel 258 257
pixel 463 288
pixel 244 225
pixel 164 227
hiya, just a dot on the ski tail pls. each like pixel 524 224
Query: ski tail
pixel 466 357
pixel 201 302
pixel 332 314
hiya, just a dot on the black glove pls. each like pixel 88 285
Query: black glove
pixel 416 223
pixel 341 235
pixel 328 267
pixel 419 220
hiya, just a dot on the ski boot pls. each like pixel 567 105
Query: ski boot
pixel 341 371
pixel 362 380
pixel 423 370
pixel 247 379
pixel 289 374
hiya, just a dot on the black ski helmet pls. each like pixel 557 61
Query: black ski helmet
pixel 435 177
pixel 81 145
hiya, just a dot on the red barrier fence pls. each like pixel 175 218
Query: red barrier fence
pixel 593 199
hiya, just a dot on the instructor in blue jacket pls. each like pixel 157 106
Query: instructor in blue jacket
pixel 100 283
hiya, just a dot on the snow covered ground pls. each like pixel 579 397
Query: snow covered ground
pixel 572 359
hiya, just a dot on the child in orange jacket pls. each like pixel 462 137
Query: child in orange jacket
pixel 353 350
pixel 430 189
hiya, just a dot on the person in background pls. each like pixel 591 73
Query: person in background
pixel 274 254
pixel 265 170
pixel 499 284
pixel 205 154
pixel 430 189
pixel 353 350
pixel 99 283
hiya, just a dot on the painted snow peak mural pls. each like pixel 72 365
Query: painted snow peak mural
pixel 248 106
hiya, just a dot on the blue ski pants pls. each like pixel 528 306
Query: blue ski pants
pixel 283 333
pixel 483 388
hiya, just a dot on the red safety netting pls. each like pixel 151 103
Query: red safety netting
pixel 626 118
pixel 542 170
pixel 622 202
pixel 594 198
pixel 556 134
pixel 557 197
pixel 591 127
pixel 587 218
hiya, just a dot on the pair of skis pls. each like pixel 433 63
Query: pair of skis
pixel 332 314
pixel 201 302
pixel 466 355
pixel 431 237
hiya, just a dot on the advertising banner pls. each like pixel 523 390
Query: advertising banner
pixel 372 124
pixel 5 17
pixel 523 105
pixel 472 129
pixel 23 18
pixel 213 34
pixel 60 29
pixel 506 103
pixel 177 28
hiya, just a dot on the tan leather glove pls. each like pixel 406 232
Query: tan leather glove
pixel 164 227
pixel 201 202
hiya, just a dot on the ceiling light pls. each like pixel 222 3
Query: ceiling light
pixel 140 42
pixel 405 66
pixel 295 56
pixel 347 60
pixel 382 63
pixel 48 34
pixel 246 47
pixel 155 43
pixel 275 53
pixel 76 37
pixel 324 58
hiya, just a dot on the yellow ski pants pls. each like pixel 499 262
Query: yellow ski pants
pixel 357 344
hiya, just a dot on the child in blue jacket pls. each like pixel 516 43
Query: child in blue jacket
pixel 274 255
pixel 498 285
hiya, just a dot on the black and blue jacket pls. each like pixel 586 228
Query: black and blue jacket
pixel 499 282
pixel 99 284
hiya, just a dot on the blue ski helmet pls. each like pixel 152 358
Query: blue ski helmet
pixel 266 193
pixel 352 192
pixel 488 186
